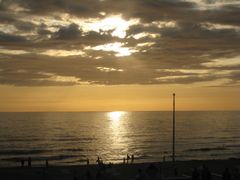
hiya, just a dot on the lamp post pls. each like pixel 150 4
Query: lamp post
pixel 173 137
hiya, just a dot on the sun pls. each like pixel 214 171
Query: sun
pixel 116 23
pixel 116 115
pixel 113 25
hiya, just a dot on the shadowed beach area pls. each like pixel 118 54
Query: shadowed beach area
pixel 164 170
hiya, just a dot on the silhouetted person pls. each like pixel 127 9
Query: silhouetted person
pixel 29 162
pixel 236 174
pixel 195 174
pixel 124 160
pixel 226 175
pixel 205 174
pixel 87 161
pixel 98 160
pixel 132 158
pixel 46 162
pixel 128 158
pixel 22 163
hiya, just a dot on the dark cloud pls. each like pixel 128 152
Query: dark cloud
pixel 66 33
pixel 10 38
pixel 83 8
pixel 25 26
pixel 198 34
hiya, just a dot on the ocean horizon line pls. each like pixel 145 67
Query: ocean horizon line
pixel 102 111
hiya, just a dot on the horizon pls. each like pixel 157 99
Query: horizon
pixel 118 111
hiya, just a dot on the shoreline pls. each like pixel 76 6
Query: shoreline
pixel 117 164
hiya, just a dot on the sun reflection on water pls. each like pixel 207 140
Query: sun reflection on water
pixel 117 132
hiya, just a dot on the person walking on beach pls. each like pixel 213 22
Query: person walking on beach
pixel 87 161
pixel 164 158
pixel 98 160
pixel 46 162
pixel 226 175
pixel 124 160
pixel 132 159
pixel 128 158
pixel 22 162
pixel 29 162
pixel 195 174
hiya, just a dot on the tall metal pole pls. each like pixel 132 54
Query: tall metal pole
pixel 173 143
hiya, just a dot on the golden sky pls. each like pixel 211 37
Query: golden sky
pixel 104 55
pixel 113 98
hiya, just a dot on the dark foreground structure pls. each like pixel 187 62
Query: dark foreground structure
pixel 180 170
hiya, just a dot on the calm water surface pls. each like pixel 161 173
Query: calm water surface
pixel 70 138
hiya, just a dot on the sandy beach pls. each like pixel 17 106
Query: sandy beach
pixel 118 171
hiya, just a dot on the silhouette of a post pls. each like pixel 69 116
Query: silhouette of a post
pixel 173 135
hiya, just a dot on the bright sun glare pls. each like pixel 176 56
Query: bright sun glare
pixel 115 23
pixel 116 47
pixel 117 26
pixel 116 115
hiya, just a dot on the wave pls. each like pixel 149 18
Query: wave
pixel 40 139
pixel 207 149
pixel 37 151
pixel 73 139
pixel 20 140
pixel 233 146
pixel 40 158
pixel 20 152
pixel 73 149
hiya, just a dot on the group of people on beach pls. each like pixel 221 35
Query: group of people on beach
pixel 128 158
pixel 29 162
pixel 99 160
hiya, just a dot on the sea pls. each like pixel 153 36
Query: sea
pixel 70 138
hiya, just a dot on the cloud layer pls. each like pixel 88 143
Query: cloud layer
pixel 108 42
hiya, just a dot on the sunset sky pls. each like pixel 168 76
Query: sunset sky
pixel 106 55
